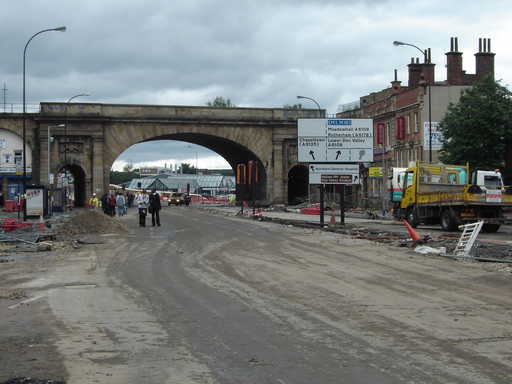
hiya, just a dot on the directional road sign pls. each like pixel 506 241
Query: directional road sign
pixel 334 174
pixel 335 140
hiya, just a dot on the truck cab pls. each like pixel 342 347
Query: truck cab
pixel 487 179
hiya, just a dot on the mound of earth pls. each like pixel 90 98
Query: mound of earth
pixel 88 222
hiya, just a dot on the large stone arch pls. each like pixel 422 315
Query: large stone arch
pixel 235 145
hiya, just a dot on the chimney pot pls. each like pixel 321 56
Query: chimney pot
pixel 484 60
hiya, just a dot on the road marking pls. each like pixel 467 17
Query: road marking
pixel 26 301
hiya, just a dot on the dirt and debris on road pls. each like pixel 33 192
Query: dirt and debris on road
pixel 393 236
pixel 30 380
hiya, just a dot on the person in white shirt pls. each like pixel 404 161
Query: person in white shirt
pixel 142 201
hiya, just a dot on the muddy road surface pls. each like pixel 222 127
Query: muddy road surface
pixel 212 299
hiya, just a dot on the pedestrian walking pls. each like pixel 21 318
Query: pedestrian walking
pixel 112 204
pixel 104 204
pixel 154 207
pixel 120 204
pixel 130 199
pixel 94 202
pixel 142 201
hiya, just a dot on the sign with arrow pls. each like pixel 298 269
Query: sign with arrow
pixel 335 140
pixel 312 140
pixel 334 174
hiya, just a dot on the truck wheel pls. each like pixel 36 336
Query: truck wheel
pixel 412 217
pixel 448 221
pixel 490 228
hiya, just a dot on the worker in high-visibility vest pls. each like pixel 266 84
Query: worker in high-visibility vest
pixel 94 202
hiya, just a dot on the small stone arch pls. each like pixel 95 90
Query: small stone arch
pixel 79 194
pixel 298 184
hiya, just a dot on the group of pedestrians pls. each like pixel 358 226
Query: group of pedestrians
pixel 119 202
pixel 148 204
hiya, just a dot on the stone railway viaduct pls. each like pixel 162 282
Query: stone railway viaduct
pixel 97 134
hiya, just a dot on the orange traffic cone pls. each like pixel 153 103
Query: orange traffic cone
pixel 414 235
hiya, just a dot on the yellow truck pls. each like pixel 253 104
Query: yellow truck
pixel 443 194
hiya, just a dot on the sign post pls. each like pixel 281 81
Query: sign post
pixel 342 204
pixel 335 141
pixel 337 174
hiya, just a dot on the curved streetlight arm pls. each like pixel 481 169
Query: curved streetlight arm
pixel 313 100
pixel 59 29
pixel 74 97
pixel 398 43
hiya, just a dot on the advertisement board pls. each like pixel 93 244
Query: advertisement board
pixel 335 140
pixel 437 136
pixel 35 197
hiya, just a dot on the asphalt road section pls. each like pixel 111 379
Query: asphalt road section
pixel 212 299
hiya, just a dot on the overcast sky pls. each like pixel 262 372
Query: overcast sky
pixel 257 53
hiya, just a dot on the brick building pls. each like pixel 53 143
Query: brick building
pixel 401 113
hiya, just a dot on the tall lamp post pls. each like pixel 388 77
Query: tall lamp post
pixel 66 148
pixel 59 29
pixel 322 187
pixel 314 101
pixel 426 59
pixel 50 181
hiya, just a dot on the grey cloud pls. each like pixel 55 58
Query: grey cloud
pixel 259 54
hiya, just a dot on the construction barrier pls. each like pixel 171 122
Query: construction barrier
pixel 10 224
pixel 11 206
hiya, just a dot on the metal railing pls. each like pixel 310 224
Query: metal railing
pixel 18 108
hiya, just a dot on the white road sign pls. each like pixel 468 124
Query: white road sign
pixel 335 140
pixel 437 136
pixel 334 174
pixel 312 140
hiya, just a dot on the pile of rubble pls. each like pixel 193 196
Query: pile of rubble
pixel 89 222
pixel 58 232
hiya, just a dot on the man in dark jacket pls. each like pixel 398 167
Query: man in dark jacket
pixel 154 207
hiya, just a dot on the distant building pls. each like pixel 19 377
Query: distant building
pixel 401 114
pixel 208 185
pixel 11 163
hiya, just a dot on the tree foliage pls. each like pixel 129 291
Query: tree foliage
pixel 220 102
pixel 478 129
pixel 294 106
pixel 120 177
pixel 187 168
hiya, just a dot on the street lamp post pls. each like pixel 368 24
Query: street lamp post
pixel 426 59
pixel 66 148
pixel 49 159
pixel 59 29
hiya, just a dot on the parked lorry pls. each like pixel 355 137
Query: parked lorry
pixel 448 195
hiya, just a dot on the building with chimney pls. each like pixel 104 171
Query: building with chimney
pixel 406 117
